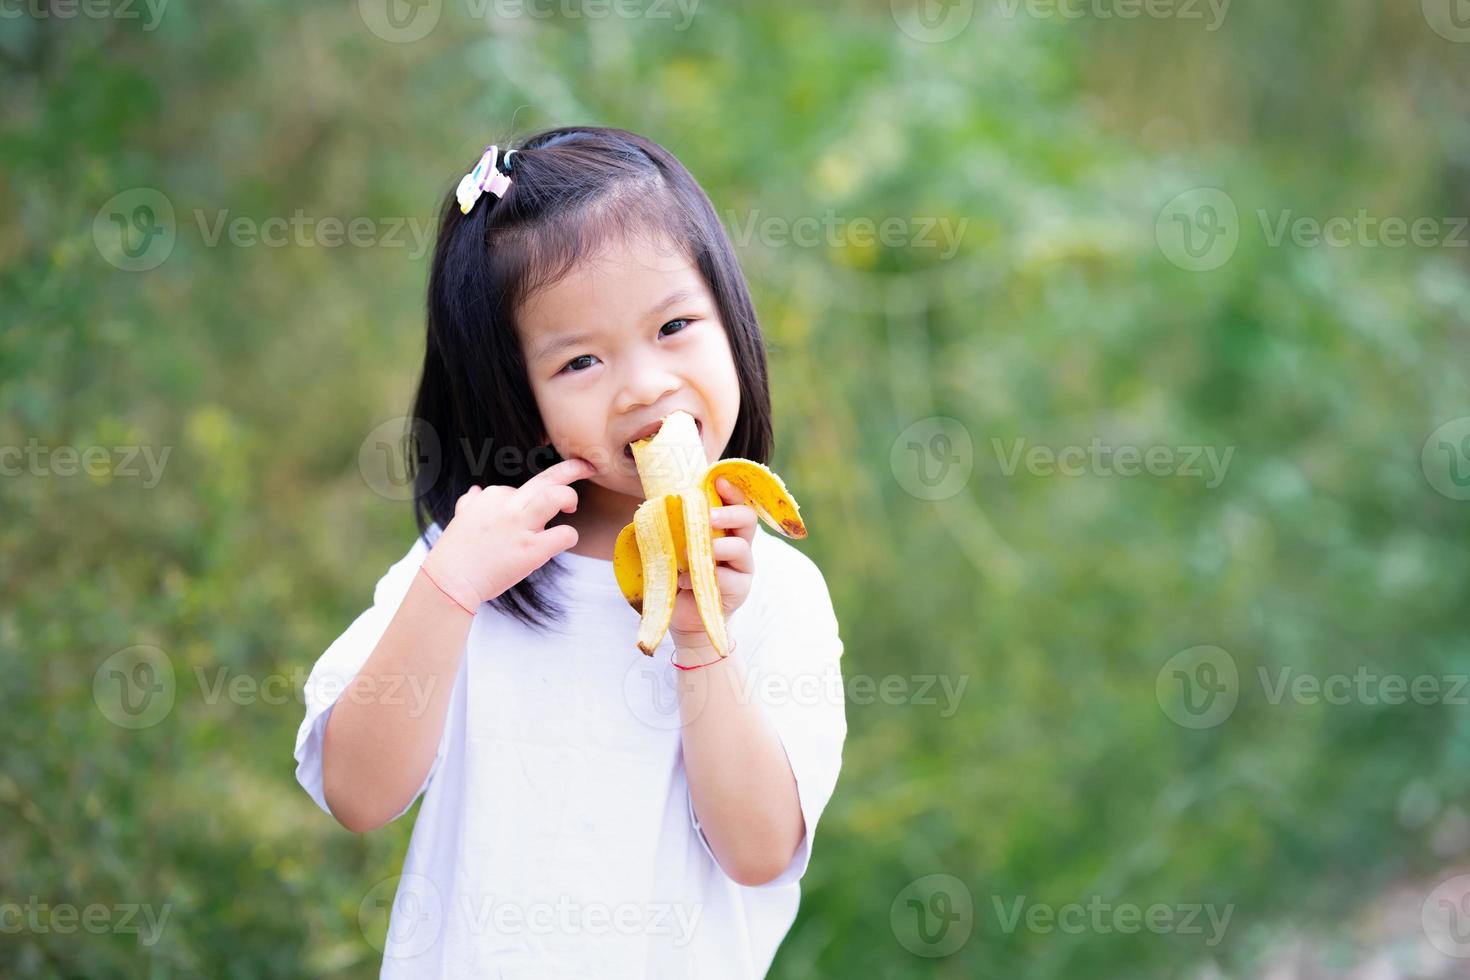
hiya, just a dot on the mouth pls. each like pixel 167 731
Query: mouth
pixel 652 430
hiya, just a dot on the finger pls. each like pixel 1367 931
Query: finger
pixel 735 552
pixel 732 583
pixel 729 492
pixel 567 471
pixel 549 501
pixel 739 519
pixel 554 540
pixel 729 580
pixel 465 497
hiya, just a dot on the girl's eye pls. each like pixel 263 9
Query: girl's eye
pixel 567 368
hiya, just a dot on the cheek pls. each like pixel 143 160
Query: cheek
pixel 715 361
pixel 720 370
pixel 575 427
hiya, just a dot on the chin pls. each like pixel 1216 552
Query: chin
pixel 617 481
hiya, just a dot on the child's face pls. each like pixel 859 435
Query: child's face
pixel 639 357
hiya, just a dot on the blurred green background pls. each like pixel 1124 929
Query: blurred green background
pixel 1130 202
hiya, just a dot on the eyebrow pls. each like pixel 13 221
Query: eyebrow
pixel 558 343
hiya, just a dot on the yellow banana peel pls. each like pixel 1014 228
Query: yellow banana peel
pixel 671 530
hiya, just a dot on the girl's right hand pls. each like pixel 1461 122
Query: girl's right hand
pixel 498 534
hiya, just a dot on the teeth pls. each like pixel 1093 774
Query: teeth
pixel 671 530
pixel 698 426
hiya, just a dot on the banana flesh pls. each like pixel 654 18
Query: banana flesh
pixel 671 530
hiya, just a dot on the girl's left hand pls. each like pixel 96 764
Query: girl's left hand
pixel 734 566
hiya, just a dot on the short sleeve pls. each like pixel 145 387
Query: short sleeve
pixel 336 668
pixel 795 665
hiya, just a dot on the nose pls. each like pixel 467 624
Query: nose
pixel 646 383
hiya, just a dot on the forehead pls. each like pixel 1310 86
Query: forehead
pixel 624 280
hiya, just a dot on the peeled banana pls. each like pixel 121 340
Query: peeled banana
pixel 671 530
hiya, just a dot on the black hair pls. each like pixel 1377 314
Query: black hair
pixel 571 189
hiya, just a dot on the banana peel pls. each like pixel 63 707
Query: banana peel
pixel 671 531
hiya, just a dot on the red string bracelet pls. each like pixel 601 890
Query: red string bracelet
pixel 715 661
pixel 427 575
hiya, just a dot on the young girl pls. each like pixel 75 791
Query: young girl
pixel 589 811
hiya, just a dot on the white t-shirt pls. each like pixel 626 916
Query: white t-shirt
pixel 557 838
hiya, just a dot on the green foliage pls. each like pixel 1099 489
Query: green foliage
pixel 1051 147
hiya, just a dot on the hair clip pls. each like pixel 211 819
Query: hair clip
pixel 483 178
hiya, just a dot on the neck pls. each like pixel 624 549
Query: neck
pixel 600 515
